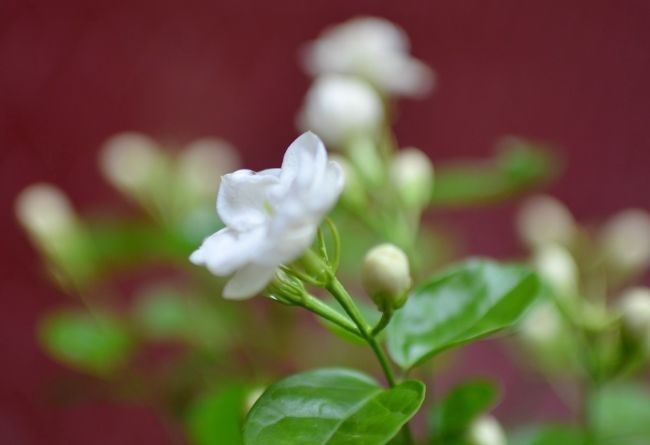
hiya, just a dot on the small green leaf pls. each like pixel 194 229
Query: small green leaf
pixel 331 407
pixel 548 435
pixel 462 405
pixel 472 300
pixel 217 416
pixel 94 343
pixel 621 414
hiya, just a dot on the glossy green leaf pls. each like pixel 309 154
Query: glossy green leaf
pixel 469 301
pixel 621 414
pixel 333 407
pixel 217 417
pixel 463 404
pixel 94 343
pixel 548 435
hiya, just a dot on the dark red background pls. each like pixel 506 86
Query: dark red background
pixel 574 73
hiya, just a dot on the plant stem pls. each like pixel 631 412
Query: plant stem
pixel 383 322
pixel 316 306
pixel 345 300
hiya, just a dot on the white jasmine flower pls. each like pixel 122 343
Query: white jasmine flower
pixel 374 49
pixel 341 107
pixel 271 216
pixel 626 239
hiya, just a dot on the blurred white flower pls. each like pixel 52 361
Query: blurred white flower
pixel 542 324
pixel 544 220
pixel 374 49
pixel 271 216
pixel 130 161
pixel 204 160
pixel 486 430
pixel 412 174
pixel 559 270
pixel 45 211
pixel 626 239
pixel 339 108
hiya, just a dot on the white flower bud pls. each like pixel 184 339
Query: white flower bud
pixel 486 430
pixel 45 211
pixel 635 313
pixel 386 277
pixel 542 324
pixel 338 108
pixel 130 161
pixel 202 163
pixel 626 239
pixel 545 220
pixel 558 269
pixel 412 174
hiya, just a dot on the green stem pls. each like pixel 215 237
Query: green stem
pixel 383 322
pixel 316 306
pixel 345 300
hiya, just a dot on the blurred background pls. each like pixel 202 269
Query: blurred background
pixel 573 74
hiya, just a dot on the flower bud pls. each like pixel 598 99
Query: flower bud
pixel 486 430
pixel 45 211
pixel 541 325
pixel 386 277
pixel 545 220
pixel 203 162
pixel 558 269
pixel 412 175
pixel 635 315
pixel 626 240
pixel 338 108
pixel 130 161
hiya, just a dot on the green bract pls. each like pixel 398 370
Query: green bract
pixel 472 300
pixel 333 407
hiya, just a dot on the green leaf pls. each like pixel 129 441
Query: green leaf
pixel 333 407
pixel 548 435
pixel 621 414
pixel 217 416
pixel 469 301
pixel 518 166
pixel 94 343
pixel 462 405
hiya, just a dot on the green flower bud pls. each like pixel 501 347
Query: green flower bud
pixel 386 277
pixel 412 174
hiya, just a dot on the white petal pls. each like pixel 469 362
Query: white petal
pixel 227 250
pixel 248 281
pixel 242 200
pixel 305 159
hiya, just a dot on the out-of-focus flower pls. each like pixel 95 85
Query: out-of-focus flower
pixel 374 49
pixel 545 220
pixel 558 269
pixel 486 430
pixel 412 175
pixel 130 161
pixel 626 239
pixel 386 276
pixel 202 162
pixel 338 108
pixel 635 311
pixel 354 194
pixel 271 216
pixel 542 324
pixel 45 211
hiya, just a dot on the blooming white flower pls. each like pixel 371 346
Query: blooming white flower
pixel 271 216
pixel 341 107
pixel 374 49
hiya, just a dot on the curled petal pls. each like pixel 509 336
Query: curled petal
pixel 227 250
pixel 248 281
pixel 304 160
